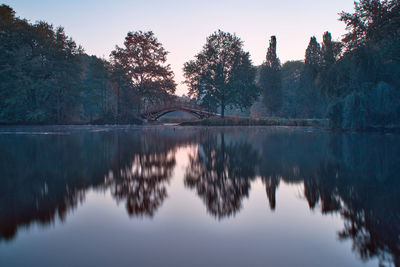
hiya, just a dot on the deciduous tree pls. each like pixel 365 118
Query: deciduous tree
pixel 143 59
pixel 222 75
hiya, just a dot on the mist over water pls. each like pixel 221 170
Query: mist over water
pixel 174 196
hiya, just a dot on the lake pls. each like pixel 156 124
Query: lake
pixel 183 196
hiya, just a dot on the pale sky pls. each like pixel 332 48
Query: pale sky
pixel 183 25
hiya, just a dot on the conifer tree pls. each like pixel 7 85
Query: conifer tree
pixel 270 78
pixel 272 59
pixel 313 58
pixel 327 52
pixel 330 50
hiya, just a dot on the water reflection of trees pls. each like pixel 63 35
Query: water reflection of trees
pixel 43 177
pixel 143 168
pixel 364 177
pixel 41 180
pixel 354 175
pixel 141 183
pixel 220 172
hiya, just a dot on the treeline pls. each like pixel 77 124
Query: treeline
pixel 46 78
pixel 355 83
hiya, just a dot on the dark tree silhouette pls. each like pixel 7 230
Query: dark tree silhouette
pixel 313 58
pixel 141 184
pixel 221 174
pixel 63 167
pixel 330 50
pixel 270 78
pixel 45 77
pixel 271 185
pixel 143 59
pixel 39 71
pixel 222 75
pixel 372 21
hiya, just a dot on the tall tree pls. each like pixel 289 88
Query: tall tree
pixel 313 57
pixel 330 50
pixel 272 59
pixel 222 74
pixel 144 59
pixel 330 53
pixel 327 51
pixel 270 78
pixel 308 96
pixel 373 20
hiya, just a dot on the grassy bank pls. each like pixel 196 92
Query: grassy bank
pixel 240 121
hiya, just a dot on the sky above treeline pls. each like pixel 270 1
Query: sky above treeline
pixel 182 26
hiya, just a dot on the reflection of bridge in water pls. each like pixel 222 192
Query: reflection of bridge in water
pixel 154 112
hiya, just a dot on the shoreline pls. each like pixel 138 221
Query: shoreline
pixel 231 122
pixel 237 121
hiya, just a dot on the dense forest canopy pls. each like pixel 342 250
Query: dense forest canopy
pixel 354 83
pixel 45 77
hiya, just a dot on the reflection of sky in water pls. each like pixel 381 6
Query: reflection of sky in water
pixel 182 232
pixel 99 234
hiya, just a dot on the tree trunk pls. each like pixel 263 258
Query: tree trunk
pixel 139 106
pixel 118 106
pixel 223 103
pixel 58 107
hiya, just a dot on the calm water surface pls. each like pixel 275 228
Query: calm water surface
pixel 172 196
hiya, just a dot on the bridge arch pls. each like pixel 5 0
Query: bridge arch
pixel 154 112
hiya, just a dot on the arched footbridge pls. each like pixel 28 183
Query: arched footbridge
pixel 156 111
